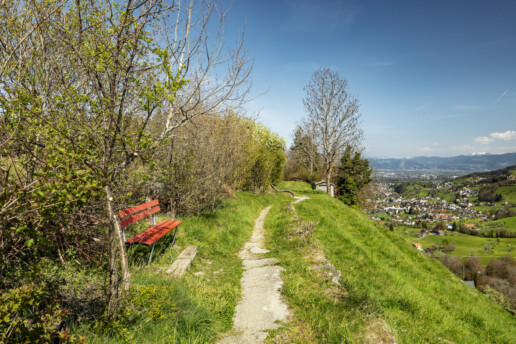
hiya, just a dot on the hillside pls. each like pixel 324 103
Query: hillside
pixel 460 164
pixel 506 171
pixel 388 291
pixel 387 286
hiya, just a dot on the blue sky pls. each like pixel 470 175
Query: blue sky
pixel 432 77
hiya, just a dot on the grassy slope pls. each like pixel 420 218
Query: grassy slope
pixel 509 222
pixel 415 191
pixel 383 278
pixel 420 300
pixel 204 302
pixel 465 244
pixel 508 193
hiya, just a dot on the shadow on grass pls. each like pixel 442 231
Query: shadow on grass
pixel 139 254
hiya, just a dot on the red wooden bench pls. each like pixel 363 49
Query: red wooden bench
pixel 152 234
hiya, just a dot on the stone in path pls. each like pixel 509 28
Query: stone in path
pixel 261 307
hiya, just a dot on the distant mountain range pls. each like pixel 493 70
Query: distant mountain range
pixel 461 163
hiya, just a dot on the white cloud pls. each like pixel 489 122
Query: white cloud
pixel 504 93
pixel 422 107
pixel 483 139
pixel 478 153
pixel 468 107
pixel 506 136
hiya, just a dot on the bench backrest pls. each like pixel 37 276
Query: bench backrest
pixel 141 211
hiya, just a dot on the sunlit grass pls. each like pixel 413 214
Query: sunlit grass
pixel 206 297
pixel 468 245
pixel 385 278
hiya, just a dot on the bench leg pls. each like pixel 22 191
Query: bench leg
pixel 152 250
pixel 174 239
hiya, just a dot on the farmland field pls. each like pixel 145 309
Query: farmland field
pixel 468 245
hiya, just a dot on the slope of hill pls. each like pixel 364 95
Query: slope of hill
pixel 462 163
pixel 388 292
pixel 389 289
pixel 506 171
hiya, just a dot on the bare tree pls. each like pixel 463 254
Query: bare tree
pixel 218 76
pixel 304 146
pixel 333 115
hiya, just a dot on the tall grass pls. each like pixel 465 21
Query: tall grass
pixel 385 280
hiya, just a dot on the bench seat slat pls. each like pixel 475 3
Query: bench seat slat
pixel 126 212
pixel 154 233
pixel 139 216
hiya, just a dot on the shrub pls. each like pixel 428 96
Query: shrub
pixel 31 314
pixel 449 247
pixel 453 264
pixel 139 306
pixel 497 297
pixel 471 267
pixel 499 268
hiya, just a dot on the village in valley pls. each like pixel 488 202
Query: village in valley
pixel 423 209
pixel 467 216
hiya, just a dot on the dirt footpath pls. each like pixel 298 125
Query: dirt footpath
pixel 261 307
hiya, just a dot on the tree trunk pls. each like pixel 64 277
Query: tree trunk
pixel 113 273
pixel 151 192
pixel 328 181
pixel 126 276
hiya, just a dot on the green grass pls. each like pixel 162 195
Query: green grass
pixel 295 186
pixel 383 216
pixel 384 281
pixel 508 222
pixel 483 208
pixel 468 244
pixel 204 302
pixel 382 278
pixel 508 193
pixel 415 190
pixel 447 196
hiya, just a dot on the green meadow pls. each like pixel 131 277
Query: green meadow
pixel 508 193
pixel 469 245
pixel 508 222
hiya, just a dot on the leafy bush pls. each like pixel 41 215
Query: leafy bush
pixel 497 297
pixel 140 305
pixel 449 248
pixel 31 314
pixel 452 263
